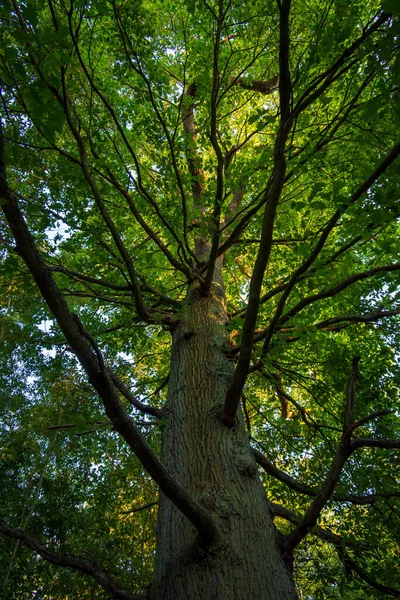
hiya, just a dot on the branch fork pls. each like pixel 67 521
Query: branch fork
pixel 346 448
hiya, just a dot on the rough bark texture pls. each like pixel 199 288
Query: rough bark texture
pixel 216 465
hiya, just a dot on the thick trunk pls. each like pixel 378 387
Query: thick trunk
pixel 215 464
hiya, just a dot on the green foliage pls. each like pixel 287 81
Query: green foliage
pixel 111 78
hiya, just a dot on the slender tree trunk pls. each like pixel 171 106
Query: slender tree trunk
pixel 215 464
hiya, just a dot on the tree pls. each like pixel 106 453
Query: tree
pixel 200 279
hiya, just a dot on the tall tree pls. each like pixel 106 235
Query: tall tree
pixel 199 281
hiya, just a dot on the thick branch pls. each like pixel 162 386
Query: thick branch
pixel 342 454
pixel 88 567
pixel 219 192
pixel 374 443
pixel 271 469
pixel 263 87
pixel 82 345
pixel 273 195
pixel 193 159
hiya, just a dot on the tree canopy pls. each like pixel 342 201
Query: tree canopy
pixel 142 144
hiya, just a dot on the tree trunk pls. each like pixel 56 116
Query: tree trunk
pixel 216 466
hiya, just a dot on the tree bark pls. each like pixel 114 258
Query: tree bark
pixel 215 464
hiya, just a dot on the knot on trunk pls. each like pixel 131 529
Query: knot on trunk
pixel 245 461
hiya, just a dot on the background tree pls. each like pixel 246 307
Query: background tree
pixel 199 274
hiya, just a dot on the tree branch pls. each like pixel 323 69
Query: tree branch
pixel 342 454
pixel 82 277
pixel 70 561
pixel 371 417
pixel 346 447
pixel 139 508
pixel 336 289
pixel 86 350
pixel 263 87
pixel 328 133
pixel 327 78
pixel 219 192
pixel 75 276
pixel 136 213
pixel 272 198
pixel 374 443
pixel 364 187
pixel 353 566
pixel 340 543
pixel 130 51
pixel 144 408
pixel 305 489
pixel 338 323
pixel 284 513
pixel 193 160
pixel 271 469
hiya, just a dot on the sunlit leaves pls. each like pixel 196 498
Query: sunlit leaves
pixel 111 78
